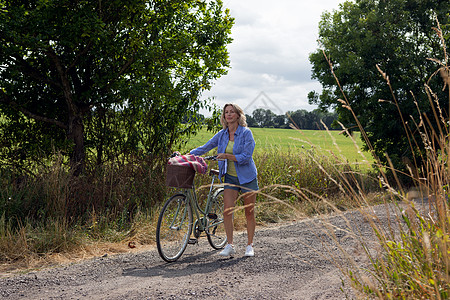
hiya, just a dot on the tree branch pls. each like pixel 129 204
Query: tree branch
pixel 81 53
pixel 33 73
pixel 121 71
pixel 73 109
pixel 5 99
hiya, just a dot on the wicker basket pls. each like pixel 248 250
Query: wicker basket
pixel 179 176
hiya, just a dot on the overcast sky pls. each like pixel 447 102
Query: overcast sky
pixel 269 54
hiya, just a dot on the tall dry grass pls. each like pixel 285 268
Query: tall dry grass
pixel 53 212
pixel 320 178
pixel 413 257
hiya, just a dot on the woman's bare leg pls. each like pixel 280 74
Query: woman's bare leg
pixel 229 199
pixel 249 203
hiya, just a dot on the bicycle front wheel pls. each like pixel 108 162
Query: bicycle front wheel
pixel 174 227
pixel 215 232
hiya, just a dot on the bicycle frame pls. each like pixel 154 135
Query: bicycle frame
pixel 192 195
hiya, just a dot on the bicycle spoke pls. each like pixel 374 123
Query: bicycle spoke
pixel 216 229
pixel 174 228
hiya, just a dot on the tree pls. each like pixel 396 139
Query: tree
pixel 259 116
pixel 113 76
pixel 279 121
pixel 311 120
pixel 297 118
pixel 263 117
pixel 397 36
pixel 250 121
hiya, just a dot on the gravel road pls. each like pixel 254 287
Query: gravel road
pixel 297 260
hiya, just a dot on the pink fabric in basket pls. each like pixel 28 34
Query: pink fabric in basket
pixel 195 162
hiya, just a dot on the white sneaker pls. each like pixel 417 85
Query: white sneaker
pixel 228 250
pixel 249 250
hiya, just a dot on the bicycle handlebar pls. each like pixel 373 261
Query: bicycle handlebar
pixel 211 157
pixel 176 153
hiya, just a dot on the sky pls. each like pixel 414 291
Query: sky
pixel 269 54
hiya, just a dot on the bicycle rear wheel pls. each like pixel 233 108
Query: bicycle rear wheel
pixel 174 227
pixel 215 232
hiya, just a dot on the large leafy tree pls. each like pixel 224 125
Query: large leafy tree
pixel 113 77
pixel 398 36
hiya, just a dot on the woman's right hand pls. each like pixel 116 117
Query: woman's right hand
pixel 222 156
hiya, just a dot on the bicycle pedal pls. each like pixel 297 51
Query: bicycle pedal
pixel 192 241
pixel 212 216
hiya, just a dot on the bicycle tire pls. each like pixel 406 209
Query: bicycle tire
pixel 174 227
pixel 215 232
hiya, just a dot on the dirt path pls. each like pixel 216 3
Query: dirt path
pixel 291 262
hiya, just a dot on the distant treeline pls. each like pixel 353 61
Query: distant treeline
pixel 265 118
pixel 301 118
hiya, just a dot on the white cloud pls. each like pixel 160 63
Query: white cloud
pixel 272 42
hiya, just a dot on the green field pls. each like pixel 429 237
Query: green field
pixel 290 140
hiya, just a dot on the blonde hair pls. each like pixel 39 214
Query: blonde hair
pixel 238 110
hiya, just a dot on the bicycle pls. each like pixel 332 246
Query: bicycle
pixel 176 220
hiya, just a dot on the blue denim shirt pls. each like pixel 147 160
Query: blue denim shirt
pixel 244 144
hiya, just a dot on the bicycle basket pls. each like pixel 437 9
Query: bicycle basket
pixel 179 176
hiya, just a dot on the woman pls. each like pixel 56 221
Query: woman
pixel 235 145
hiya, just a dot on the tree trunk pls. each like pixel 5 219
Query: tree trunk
pixel 76 133
pixel 75 126
pixel 101 125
